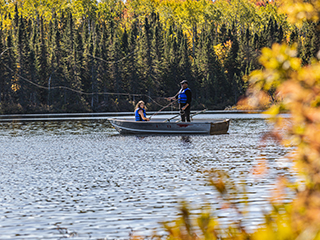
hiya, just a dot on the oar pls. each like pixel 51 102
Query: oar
pixel 196 113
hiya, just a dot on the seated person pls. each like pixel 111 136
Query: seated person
pixel 140 112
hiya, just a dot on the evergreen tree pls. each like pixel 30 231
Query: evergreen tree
pixel 248 57
pixel 114 71
pixel 147 64
pixel 127 56
pixel 232 67
pixel 27 73
pixel 270 33
pixel 157 53
pixel 22 43
pixel 89 77
pixel 56 71
pixel 124 48
pixel 79 103
pixel 172 79
pixel 112 58
pixel 34 37
pixel 102 67
pixel 185 66
pixel 264 38
pixel 42 62
pixel 293 37
pixel 280 35
pixel 132 68
pixel 16 17
pixel 3 69
pixel 317 38
pixel 71 69
pixel 204 62
pixel 308 49
pixel 9 62
pixel 222 35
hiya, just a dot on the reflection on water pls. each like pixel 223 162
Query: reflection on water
pixel 85 177
pixel 186 139
pixel 17 128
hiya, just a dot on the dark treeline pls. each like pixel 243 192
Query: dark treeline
pixel 61 66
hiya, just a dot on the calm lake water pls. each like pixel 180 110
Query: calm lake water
pixel 81 176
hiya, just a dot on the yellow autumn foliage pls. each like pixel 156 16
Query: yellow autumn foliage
pixel 299 90
pixel 298 11
pixel 286 85
pixel 222 51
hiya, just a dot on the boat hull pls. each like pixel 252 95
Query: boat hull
pixel 124 126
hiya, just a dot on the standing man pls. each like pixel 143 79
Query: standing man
pixel 184 97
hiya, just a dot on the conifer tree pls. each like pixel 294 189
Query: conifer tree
pixel 185 66
pixel 172 78
pixel 222 35
pixel 114 71
pixel 270 33
pixel 89 78
pixel 125 55
pixel 102 66
pixel 55 70
pixel 9 62
pixel 264 38
pixel 157 54
pixel 132 68
pixel 232 67
pixel 22 42
pixel 293 37
pixel 204 62
pixel 77 84
pixel 307 49
pixel 42 62
pixel 280 35
pixel 67 57
pixel 248 54
pixel 26 67
pixel 71 68
pixel 3 82
pixel 141 58
pixel 16 17
pixel 108 74
pixel 147 65
pixel 34 37
pixel 124 48
pixel 316 38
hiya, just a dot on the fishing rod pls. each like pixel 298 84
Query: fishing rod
pixel 168 120
pixel 162 109
pixel 194 114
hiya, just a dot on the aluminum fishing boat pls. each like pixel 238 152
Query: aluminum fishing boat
pixel 162 126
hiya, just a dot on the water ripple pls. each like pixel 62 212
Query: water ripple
pixel 62 177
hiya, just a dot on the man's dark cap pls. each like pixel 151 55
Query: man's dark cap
pixel 184 81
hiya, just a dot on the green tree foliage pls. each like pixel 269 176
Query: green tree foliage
pixel 89 55
pixel 3 82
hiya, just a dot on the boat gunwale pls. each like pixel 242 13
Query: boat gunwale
pixel 133 130
pixel 205 121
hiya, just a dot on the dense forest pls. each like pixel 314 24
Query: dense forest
pixel 90 56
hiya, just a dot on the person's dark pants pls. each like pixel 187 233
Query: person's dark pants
pixel 186 114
